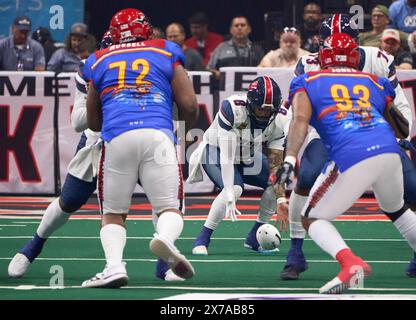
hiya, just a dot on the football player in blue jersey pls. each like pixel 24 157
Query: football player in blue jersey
pixel 231 154
pixel 372 60
pixel 355 116
pixel 133 84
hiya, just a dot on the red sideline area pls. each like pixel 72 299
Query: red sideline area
pixel 197 208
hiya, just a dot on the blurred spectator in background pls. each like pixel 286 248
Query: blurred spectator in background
pixel 18 52
pixel 403 15
pixel 202 40
pixel 309 29
pixel 390 42
pixel 193 60
pixel 67 59
pixel 379 20
pixel 238 51
pixel 44 37
pixel 158 33
pixel 289 52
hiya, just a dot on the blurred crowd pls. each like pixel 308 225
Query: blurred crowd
pixel 393 29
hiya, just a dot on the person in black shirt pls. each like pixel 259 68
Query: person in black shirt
pixel 309 29
pixel 44 37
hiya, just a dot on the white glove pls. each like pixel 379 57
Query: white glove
pixel 231 211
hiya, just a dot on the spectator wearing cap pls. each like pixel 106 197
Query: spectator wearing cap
pixel 379 21
pixel 309 29
pixel 238 51
pixel 289 52
pixel 193 60
pixel 18 52
pixel 44 37
pixel 202 40
pixel 390 42
pixel 67 59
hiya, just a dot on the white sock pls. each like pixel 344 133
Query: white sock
pixel 296 204
pixel 53 218
pixel 170 225
pixel 155 219
pixel 113 240
pixel 217 212
pixel 326 237
pixel 267 205
pixel 406 225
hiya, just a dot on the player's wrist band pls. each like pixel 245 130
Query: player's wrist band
pixel 281 200
pixel 291 160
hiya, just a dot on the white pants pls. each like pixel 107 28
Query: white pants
pixel 145 155
pixel 334 193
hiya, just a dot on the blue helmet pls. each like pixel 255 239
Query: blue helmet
pixel 263 101
pixel 338 23
pixel 106 41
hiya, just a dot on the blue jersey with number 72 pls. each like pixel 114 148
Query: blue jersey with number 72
pixel 134 83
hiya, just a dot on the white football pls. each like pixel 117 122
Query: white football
pixel 268 237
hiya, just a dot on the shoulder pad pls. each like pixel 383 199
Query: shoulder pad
pixel 237 105
pixel 376 61
pixel 307 63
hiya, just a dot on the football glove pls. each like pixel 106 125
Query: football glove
pixel 286 172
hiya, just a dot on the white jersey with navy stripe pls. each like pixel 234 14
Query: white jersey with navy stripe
pixel 233 116
pixel 372 60
pixel 83 164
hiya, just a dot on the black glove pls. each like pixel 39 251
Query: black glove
pixel 285 174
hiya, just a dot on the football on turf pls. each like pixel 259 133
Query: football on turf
pixel 268 237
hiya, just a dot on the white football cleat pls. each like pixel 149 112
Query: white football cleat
pixel 112 277
pixel 177 262
pixel 335 286
pixel 18 266
pixel 171 277
pixel 200 251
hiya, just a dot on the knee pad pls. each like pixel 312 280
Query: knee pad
pixel 75 193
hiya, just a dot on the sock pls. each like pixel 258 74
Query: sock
pixel 113 240
pixel 267 205
pixel 296 204
pixel 326 237
pixel 204 237
pixel 155 219
pixel 170 226
pixel 53 218
pixel 296 243
pixel 256 226
pixel 217 211
pixel 33 248
pixel 251 237
pixel 406 224
pixel 295 257
pixel 161 269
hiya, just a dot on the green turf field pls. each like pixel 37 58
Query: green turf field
pixel 230 268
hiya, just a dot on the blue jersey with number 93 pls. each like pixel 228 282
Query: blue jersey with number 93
pixel 347 111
